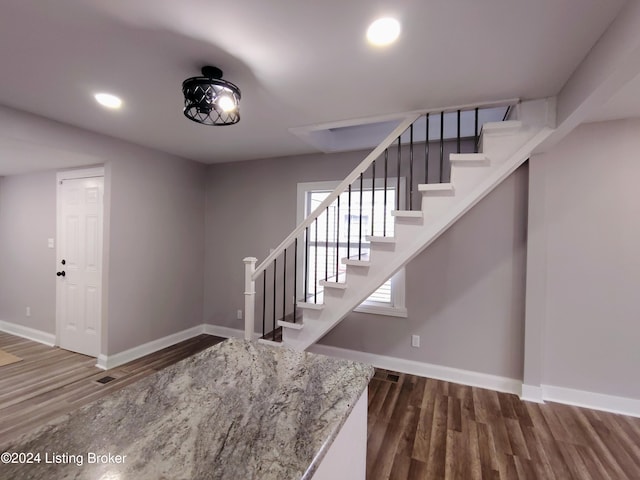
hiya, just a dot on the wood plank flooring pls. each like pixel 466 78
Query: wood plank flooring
pixel 423 429
pixel 418 428
pixel 49 382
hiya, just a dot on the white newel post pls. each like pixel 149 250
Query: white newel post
pixel 249 296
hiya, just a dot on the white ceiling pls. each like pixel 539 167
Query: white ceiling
pixel 298 63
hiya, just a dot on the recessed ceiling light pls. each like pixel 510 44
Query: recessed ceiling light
pixel 108 100
pixel 383 31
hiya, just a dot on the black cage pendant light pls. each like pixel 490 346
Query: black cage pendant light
pixel 210 100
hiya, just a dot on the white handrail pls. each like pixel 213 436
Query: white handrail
pixel 375 153
pixel 362 167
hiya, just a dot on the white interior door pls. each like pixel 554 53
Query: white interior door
pixel 79 267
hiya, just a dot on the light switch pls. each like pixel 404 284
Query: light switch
pixel 50 242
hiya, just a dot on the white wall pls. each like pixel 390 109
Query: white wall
pixel 592 259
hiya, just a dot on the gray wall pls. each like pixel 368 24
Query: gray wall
pixel 156 270
pixel 251 207
pixel 27 275
pixel 592 220
pixel 154 232
pixel 465 294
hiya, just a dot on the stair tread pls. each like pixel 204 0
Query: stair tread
pixel 501 127
pixel 310 306
pixel 407 213
pixel 427 188
pixel 330 284
pixel 468 157
pixel 378 239
pixel 295 326
pixel 354 262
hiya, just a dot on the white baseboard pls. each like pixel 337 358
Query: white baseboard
pixel 111 361
pixel 596 401
pixel 532 393
pixel 39 336
pixel 465 377
pixel 449 374
pixel 220 331
pixel 226 332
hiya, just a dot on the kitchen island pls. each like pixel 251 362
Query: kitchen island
pixel 238 410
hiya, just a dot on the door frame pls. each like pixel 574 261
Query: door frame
pixel 77 173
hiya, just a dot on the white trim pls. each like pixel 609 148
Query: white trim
pixel 398 116
pixel 465 377
pixel 80 173
pixel 111 361
pixel 449 374
pixel 532 393
pixel 596 401
pixel 225 332
pixel 39 336
pixel 382 309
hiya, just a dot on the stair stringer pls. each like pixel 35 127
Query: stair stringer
pixel 413 235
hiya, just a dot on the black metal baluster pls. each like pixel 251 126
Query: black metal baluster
pixel 315 263
pixel 411 167
pixel 273 333
pixel 360 223
pixel 384 218
pixel 426 152
pixel 326 246
pixel 337 237
pixel 458 140
pixel 284 286
pixel 264 301
pixel 295 279
pixel 476 140
pixel 306 264
pixel 398 178
pixel 349 225
pixel 441 145
pixel 373 194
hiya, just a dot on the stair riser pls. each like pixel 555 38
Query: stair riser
pixel 501 146
pixel 466 177
pixel 436 205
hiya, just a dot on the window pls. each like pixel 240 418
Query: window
pixel 334 237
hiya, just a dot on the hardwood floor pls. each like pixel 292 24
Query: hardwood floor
pixel 418 428
pixel 49 382
pixel 423 429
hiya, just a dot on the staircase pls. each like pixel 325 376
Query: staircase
pixel 297 308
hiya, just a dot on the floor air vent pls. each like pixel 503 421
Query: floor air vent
pixel 104 380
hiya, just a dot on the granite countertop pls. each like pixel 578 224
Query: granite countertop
pixel 238 410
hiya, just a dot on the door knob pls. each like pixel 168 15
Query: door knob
pixel 64 262
pixel 61 274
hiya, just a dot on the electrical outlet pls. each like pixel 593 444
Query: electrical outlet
pixel 415 341
pixel 28 311
pixel 239 315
